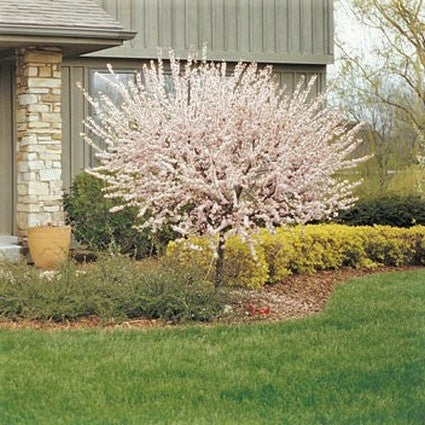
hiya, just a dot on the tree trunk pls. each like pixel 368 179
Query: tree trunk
pixel 219 264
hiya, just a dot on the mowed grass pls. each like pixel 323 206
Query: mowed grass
pixel 360 362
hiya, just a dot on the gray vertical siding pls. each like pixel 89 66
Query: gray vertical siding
pixel 289 76
pixel 278 31
pixel 7 171
pixel 77 155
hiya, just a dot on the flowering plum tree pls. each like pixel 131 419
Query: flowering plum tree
pixel 221 154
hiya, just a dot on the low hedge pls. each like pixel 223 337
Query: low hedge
pixel 114 288
pixel 305 249
pixel 389 210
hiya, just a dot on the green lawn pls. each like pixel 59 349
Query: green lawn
pixel 361 362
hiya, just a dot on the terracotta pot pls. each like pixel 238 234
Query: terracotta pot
pixel 49 246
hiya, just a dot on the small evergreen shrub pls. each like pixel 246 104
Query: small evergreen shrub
pixel 115 287
pixel 96 228
pixel 389 210
pixel 306 249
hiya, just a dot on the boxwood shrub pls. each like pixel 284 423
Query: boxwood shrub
pixel 305 249
pixel 97 229
pixel 390 210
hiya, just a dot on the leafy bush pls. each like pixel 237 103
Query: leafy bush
pixel 320 247
pixel 94 226
pixel 240 267
pixel 114 288
pixel 391 210
pixel 306 249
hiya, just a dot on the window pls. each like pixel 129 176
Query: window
pixel 100 82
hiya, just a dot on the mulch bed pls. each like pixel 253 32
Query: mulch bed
pixel 298 296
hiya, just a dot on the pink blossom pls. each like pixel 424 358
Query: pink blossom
pixel 219 153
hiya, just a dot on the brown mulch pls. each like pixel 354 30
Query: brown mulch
pixel 83 324
pixel 298 296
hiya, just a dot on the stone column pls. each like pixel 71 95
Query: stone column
pixel 39 138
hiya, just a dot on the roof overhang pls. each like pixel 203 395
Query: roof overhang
pixel 72 41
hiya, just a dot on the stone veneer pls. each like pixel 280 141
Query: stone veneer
pixel 39 138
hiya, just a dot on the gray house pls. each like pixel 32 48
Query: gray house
pixel 48 46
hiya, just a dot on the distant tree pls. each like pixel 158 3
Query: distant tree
pixel 399 60
pixel 386 87
pixel 221 154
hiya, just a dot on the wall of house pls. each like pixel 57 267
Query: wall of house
pixel 7 169
pixel 278 31
pixel 77 155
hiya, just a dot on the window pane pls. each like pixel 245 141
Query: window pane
pixel 100 84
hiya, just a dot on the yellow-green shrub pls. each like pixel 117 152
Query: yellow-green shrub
pixel 307 249
pixel 391 246
pixel 240 267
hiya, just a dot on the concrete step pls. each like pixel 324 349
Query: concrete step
pixel 11 253
pixel 10 249
pixel 9 240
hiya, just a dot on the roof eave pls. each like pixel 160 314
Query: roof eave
pixel 73 42
pixel 71 32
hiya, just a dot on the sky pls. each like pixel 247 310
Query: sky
pixel 352 34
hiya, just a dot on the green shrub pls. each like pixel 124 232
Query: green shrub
pixel 95 227
pixel 306 249
pixel 181 294
pixel 390 210
pixel 115 287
